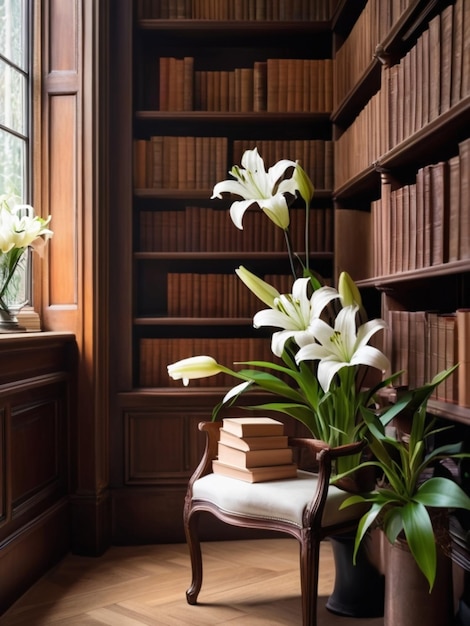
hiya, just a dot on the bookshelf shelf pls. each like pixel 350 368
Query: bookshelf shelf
pixel 418 275
pixel 225 256
pixel 234 28
pixel 234 117
pixel 194 321
pixel 427 143
pixel 366 183
pixel 205 194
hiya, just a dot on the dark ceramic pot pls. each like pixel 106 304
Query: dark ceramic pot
pixel 359 589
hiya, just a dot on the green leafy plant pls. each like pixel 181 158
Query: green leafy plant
pixel 408 491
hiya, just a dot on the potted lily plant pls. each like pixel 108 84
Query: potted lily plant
pixel 405 504
pixel 322 346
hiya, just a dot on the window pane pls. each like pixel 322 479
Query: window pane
pixel 12 44
pixel 12 98
pixel 12 161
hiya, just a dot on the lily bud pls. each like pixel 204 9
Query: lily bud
pixel 348 291
pixel 262 290
pixel 194 367
pixel 303 183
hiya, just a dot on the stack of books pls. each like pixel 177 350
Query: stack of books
pixel 254 449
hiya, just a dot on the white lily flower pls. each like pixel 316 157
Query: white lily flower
pixel 194 367
pixel 295 313
pixel 262 290
pixel 20 228
pixel 256 186
pixel 341 346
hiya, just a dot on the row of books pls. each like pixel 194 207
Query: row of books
pixel 156 354
pixel 439 63
pixel 426 223
pixel 365 141
pixel 357 52
pixel 275 85
pixel 424 343
pixel 315 155
pixel 216 295
pixel 196 229
pixel 173 162
pixel 310 10
pixel 254 449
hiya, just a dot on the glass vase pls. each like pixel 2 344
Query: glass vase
pixel 14 292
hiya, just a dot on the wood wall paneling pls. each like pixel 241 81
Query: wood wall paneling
pixel 36 412
pixel 3 469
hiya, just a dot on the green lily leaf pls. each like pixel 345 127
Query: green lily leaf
pixel 442 493
pixel 298 411
pixel 393 523
pixel 364 523
pixel 419 534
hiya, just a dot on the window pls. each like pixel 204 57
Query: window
pixel 15 105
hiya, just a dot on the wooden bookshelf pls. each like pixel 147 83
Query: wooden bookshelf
pixel 411 145
pixel 171 231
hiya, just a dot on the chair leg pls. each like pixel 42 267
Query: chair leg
pixel 309 564
pixel 194 545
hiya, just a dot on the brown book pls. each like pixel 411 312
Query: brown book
pixel 419 92
pixel 434 66
pixel 441 355
pixel 457 52
pixel 425 84
pixel 246 90
pixel 253 426
pixel 407 244
pixel 439 212
pixel 164 88
pixel 260 86
pixel 432 346
pixel 420 324
pixel 188 83
pixel 256 474
pixel 427 221
pixel 465 89
pixel 272 84
pixel 253 443
pixel 451 357
pixel 248 459
pixel 420 218
pixel 412 226
pixel 454 207
pixel 283 93
pixel 463 351
pixel 446 58
pixel 157 161
pixel 464 153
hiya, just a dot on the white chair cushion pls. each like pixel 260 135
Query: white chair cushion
pixel 283 500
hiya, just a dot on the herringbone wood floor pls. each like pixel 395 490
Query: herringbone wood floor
pixel 246 583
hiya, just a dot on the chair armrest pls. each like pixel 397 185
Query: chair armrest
pixel 210 451
pixel 325 457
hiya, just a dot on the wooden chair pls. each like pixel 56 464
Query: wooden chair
pixel 306 507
